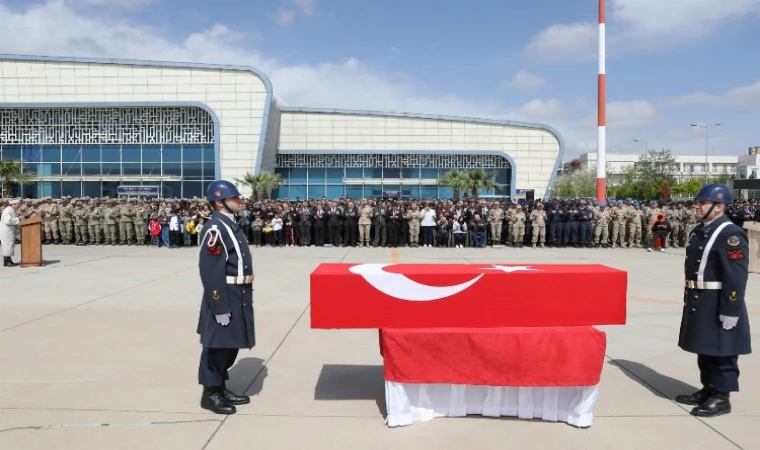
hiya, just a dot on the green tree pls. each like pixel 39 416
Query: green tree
pixel 261 184
pixel 458 181
pixel 12 172
pixel 579 183
pixel 479 180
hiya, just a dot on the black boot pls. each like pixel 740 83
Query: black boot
pixel 8 262
pixel 696 398
pixel 214 401
pixel 234 399
pixel 717 404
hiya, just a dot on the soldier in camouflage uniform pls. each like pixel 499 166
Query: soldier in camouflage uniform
pixel 66 220
pixel 495 219
pixel 49 213
pixel 675 217
pixel 139 221
pixel 634 225
pixel 110 217
pixel 80 222
pixel 95 222
pixel 126 229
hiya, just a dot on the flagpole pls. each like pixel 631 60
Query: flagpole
pixel 601 164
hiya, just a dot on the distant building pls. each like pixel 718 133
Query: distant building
pixel 687 166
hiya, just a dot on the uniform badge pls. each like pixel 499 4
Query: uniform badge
pixel 215 295
pixel 733 241
pixel 214 250
pixel 732 297
pixel 736 254
pixel 719 195
pixel 218 193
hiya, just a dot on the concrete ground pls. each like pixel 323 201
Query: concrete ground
pixel 98 350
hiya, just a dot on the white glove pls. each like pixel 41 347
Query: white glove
pixel 728 322
pixel 223 319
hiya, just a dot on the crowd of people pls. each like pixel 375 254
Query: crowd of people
pixel 469 222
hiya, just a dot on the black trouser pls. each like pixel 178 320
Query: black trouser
pixel 427 235
pixel 174 237
pixel 555 233
pixel 333 229
pixel 720 373
pixel 663 235
pixel 393 229
pixel 215 362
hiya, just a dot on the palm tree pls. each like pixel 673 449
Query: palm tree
pixel 11 172
pixel 269 181
pixel 479 180
pixel 252 181
pixel 456 180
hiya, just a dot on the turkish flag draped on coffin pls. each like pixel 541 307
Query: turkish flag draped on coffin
pixel 466 295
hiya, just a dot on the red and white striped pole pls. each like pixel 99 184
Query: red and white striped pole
pixel 601 181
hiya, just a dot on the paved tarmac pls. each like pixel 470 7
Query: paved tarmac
pixel 98 351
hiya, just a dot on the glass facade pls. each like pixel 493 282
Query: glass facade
pixel 378 175
pixel 91 152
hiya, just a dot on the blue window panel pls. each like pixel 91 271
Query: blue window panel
pixel 391 187
pixel 110 189
pixel 502 176
pixel 51 189
pixel 91 189
pixel 354 191
pixel 428 192
pixel 31 153
pixel 414 191
pixel 353 173
pixel 111 168
pixel 486 192
pixel 284 172
pixel 171 189
pixel 391 173
pixel 111 153
pixel 91 154
pixel 334 191
pixel 445 192
pixel 172 169
pixel 503 190
pixel 208 153
pixel 410 173
pixel 316 175
pixel 72 188
pixel 151 153
pixel 277 193
pixel 33 167
pixel 192 170
pixel 90 169
pixel 131 169
pixel 71 169
pixel 151 168
pixel 316 190
pixel 47 170
pixel 51 153
pixel 208 171
pixel 374 173
pixel 192 189
pixel 298 190
pixel 298 176
pixel 131 153
pixel 429 174
pixel 12 152
pixel 334 176
pixel 373 190
pixel 71 153
pixel 191 152
pixel 172 153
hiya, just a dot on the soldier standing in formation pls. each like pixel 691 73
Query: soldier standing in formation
pixel 715 323
pixel 226 313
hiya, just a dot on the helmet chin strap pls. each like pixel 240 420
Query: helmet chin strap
pixel 709 211
pixel 224 202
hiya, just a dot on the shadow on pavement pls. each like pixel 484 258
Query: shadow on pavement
pixel 247 376
pixel 661 385
pixel 351 382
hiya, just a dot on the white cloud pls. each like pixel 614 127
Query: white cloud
pixel 626 114
pixel 642 25
pixel 543 110
pixel 560 40
pixel 525 80
pixel 287 12
pixel 748 95
pixel 112 3
pixel 284 16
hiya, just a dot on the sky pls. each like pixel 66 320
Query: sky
pixel 670 63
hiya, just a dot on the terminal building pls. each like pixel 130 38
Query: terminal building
pixel 96 127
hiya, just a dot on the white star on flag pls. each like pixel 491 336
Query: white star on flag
pixel 509 269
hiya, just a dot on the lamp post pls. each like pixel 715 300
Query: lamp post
pixel 707 132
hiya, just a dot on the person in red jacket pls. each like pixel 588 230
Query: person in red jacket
pixel 660 229
pixel 155 231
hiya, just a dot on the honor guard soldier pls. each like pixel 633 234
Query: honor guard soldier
pixel 715 324
pixel 226 314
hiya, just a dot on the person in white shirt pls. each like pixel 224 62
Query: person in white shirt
pixel 8 223
pixel 428 226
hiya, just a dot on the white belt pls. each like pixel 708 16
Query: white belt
pixel 703 284
pixel 242 279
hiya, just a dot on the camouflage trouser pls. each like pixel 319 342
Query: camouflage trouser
pixel 675 234
pixel 51 229
pixel 364 237
pixel 634 232
pixel 110 231
pixel 602 231
pixel 688 228
pixel 539 234
pixel 67 231
pixel 496 233
pixel 126 232
pixel 80 230
pixel 95 233
pixel 518 232
pixel 618 232
pixel 414 234
pixel 139 232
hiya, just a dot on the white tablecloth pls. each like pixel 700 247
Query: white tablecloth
pixel 408 403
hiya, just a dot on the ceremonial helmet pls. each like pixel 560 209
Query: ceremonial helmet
pixel 716 193
pixel 221 190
